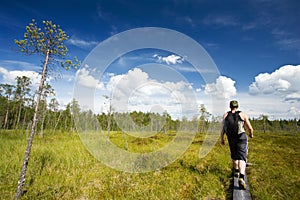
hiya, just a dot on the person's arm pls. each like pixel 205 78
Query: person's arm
pixel 248 125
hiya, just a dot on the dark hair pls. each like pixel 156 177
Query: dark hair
pixel 233 104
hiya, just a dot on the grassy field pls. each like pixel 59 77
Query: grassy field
pixel 275 173
pixel 61 168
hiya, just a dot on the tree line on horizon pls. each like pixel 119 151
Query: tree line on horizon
pixel 17 103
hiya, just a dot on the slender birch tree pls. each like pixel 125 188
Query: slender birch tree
pixel 8 91
pixel 22 90
pixel 109 115
pixel 47 90
pixel 48 43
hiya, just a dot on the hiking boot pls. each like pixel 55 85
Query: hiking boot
pixel 242 183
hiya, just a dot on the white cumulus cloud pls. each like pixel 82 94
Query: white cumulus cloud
pixel 284 82
pixel 222 88
pixel 122 85
pixel 171 59
pixel 135 90
pixel 84 78
pixel 9 77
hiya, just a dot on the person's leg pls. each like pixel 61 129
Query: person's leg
pixel 242 166
pixel 234 155
pixel 242 154
pixel 233 151
pixel 242 147
pixel 236 171
pixel 235 164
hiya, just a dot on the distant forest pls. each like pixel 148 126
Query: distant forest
pixel 18 102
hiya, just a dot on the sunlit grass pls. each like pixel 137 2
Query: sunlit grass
pixel 275 173
pixel 60 167
pixel 140 145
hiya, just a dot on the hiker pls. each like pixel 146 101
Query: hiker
pixel 233 125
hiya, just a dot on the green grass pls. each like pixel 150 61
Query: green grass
pixel 275 173
pixel 60 167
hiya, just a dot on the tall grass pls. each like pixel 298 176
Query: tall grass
pixel 275 172
pixel 61 168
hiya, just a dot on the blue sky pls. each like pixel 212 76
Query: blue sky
pixel 254 44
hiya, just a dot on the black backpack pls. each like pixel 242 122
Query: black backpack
pixel 231 123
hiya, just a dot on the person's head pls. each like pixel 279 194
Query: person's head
pixel 233 104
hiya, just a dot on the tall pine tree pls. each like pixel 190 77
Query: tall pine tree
pixel 48 42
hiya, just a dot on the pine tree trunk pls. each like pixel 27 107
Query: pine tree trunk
pixel 56 122
pixel 21 181
pixel 6 118
pixel 19 114
pixel 15 114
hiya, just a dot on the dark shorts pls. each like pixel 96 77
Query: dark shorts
pixel 238 146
